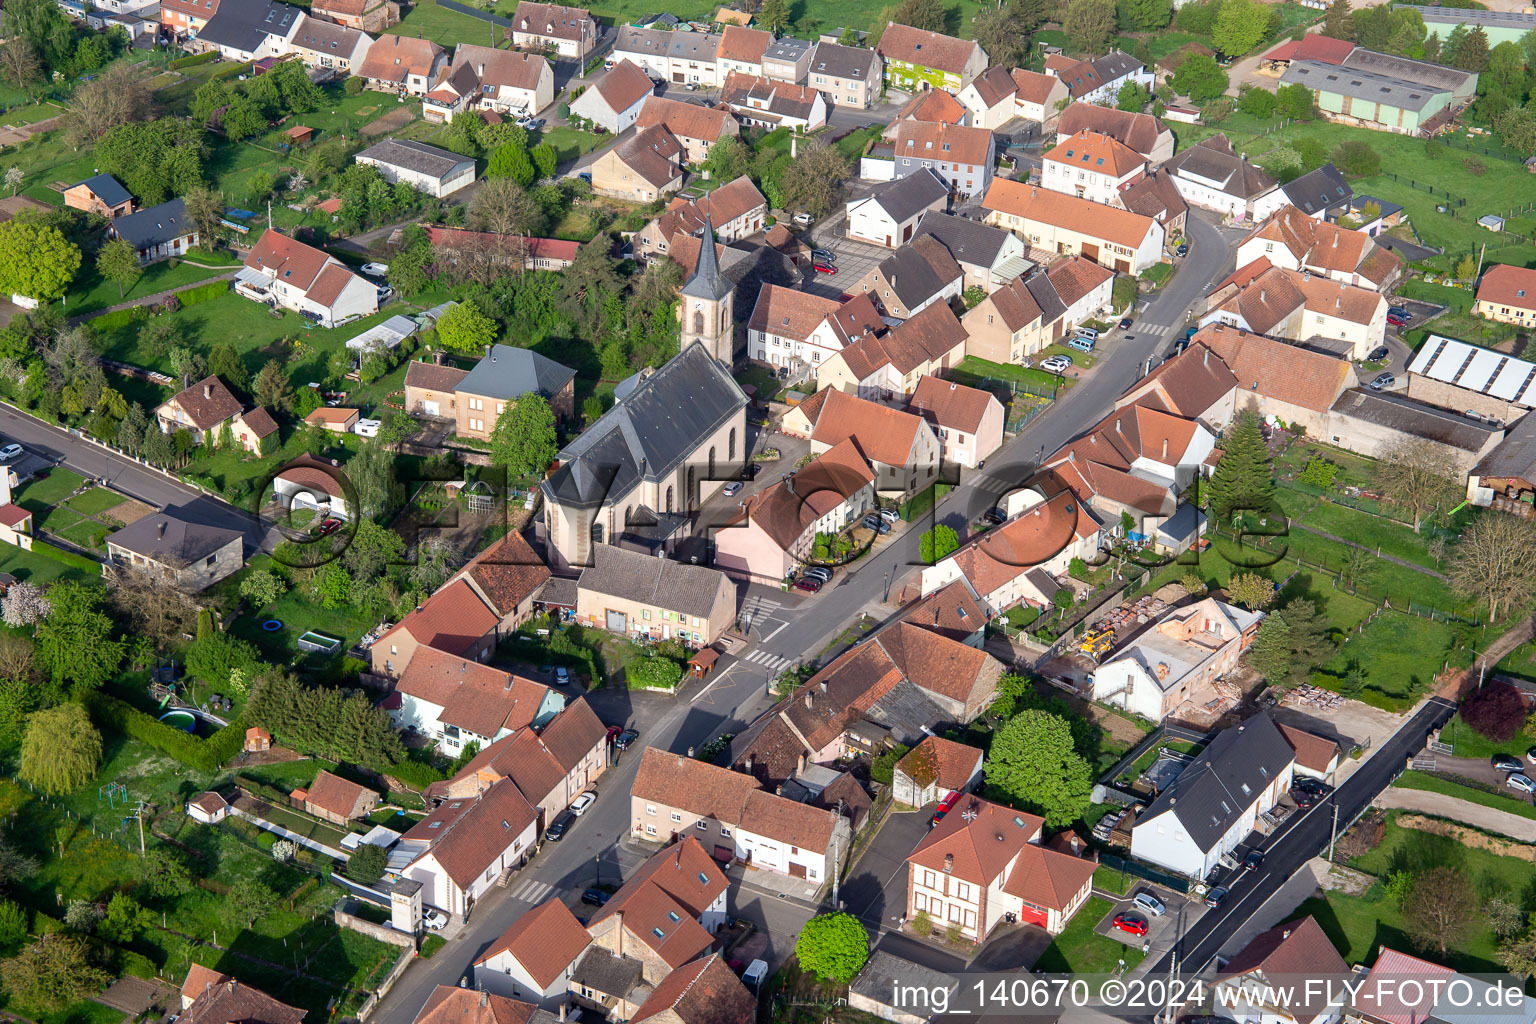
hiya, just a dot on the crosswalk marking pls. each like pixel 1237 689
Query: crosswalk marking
pixel 532 891
pixel 763 658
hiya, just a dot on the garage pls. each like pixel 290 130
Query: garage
pixel 617 622
pixel 1123 266
pixel 796 870
pixel 1091 251
pixel 1031 914
pixel 429 408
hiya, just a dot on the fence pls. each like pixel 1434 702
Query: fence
pixel 1130 867
pixel 1457 201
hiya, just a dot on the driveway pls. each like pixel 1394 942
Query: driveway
pixel 1489 819
pixel 854 261
pixel 1479 770
pixel 876 890
pixel 1165 929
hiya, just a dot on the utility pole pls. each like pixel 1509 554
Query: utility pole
pixel 1334 831
pixel 139 814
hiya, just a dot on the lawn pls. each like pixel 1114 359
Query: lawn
pixel 1112 880
pixel 1400 653
pixel 1078 950
pixel 444 27
pixel 298 613
pixel 806 19
pixel 1435 784
pixel 975 371
pixel 1468 742
pixel 90 291
pixel 59 484
pixel 571 143
pixel 38 569
pixel 95 501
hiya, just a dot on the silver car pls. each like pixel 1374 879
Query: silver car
pixel 1151 904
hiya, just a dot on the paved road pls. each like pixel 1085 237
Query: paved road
pixel 1301 839
pixel 136 481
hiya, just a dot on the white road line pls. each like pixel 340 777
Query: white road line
pixel 711 685
pixel 775 633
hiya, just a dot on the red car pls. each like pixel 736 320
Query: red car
pixel 825 268
pixel 1396 321
pixel 1133 924
pixel 808 585
pixel 329 527
pixel 945 806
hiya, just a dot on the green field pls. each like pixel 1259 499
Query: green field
pixel 444 27
pixel 1078 950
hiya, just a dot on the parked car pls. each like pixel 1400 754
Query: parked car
pixel 1151 904
pixel 625 738
pixel 890 515
pixel 581 803
pixel 875 523
pixel 1086 332
pixel 1383 382
pixel 1530 755
pixel 9 452
pixel 1253 860
pixel 595 897
pixel 329 527
pixel 562 676
pixel 1056 364
pixel 385 291
pixel 995 516
pixel 1125 324
pixel 1306 783
pixel 818 572
pixel 1521 782
pixel 807 585
pixel 1377 354
pixel 607 65
pixel 1505 763
pixel 1214 898
pixel 1183 249
pixel 731 489
pixel 375 269
pixel 1132 924
pixel 1401 312
pixel 1303 798
pixel 824 255
pixel 945 806
pixel 692 87
pixel 557 828
pixel 1397 321
pixel 825 268
pixel 1081 343
pixel 803 219
pixel 433 919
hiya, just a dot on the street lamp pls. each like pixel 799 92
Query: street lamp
pixel 597 869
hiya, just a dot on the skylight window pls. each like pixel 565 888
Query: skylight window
pixel 658 933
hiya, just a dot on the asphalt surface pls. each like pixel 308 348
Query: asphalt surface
pixel 1301 838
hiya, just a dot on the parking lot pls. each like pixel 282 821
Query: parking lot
pixel 1180 914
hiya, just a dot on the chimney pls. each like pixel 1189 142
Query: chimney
pixel 949 863
pixel 485 997
pixel 800 765
pixel 807 700
pixel 1285 935
pixel 1165 449
pixel 207 390
pixel 748 764
pixel 1206 361
pixel 482 75
pixel 160 530
pixel 562 1011
pixel 679 760
pixel 823 686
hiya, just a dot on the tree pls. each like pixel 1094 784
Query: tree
pixel 1504 915
pixel 13 928
pixel 243 119
pixel 1472 52
pixel 1200 78
pixel 124 920
pixel 1033 763
pixel 14 178
pixel 1517 126
pixel 1295 102
pixel 589 285
pixel 1090 24
pixel 19 63
pixel 118 261
pixel 216 657
pixel 1356 159
pixel 938 542
pixel 833 947
pixel 1358 568
pixel 24 604
pixel 1240 25
pixel 342 725
pixel 815 179
pixel 60 750
pixel 252 899
pixel 1338 24
pixel 81 916
pixel 1002 33
pixel 1256 102
pixel 773 16
pixel 1417 473
pixel 924 14
pixel 36 260
pixel 366 865
pixel 1250 590
pixel 205 208
pixel 1290 642
pixel 1495 711
pixel 332 585
pixel 1133 97
pixel 511 160
pixel 116 97
pixel 465 329
pixel 523 440
pixel 372 471
pixel 1438 911
pixel 271 387
pixel 53 972
pixel 728 159
pixel 1149 15
pixel 1242 480
pixel 74 642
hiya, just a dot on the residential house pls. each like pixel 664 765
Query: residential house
pixel 963 157
pixel 569 31
pixel 1374 423
pixel 485 78
pixel 157 233
pixel 1038 97
pixel 913 278
pixel 1092 166
pixel 652 598
pixel 644 167
pixel 404 65
pixel 1142 133
pixel 430 389
pixel 666 913
pixel 1385 92
pixel 460 849
pixel 985 861
pixel 770 103
pixel 1247 985
pixel 1264 299
pixel 777 528
pixel 449 1004
pixel 741 51
pixel 613 100
pixel 786 326
pixel 325 44
pixel 1215 802
pixel 280 271
pixel 101 194
pixel 930 105
pixel 315 484
pixel 1099 81
pixel 1291 239
pixel 1505 478
pixel 1177 660
pixel 533 959
pixel 888 215
pixel 696 127
pixel 1156 196
pixel 250 31
pixel 1316 756
pixel 735 210
pixel 192 555
pixel 208 809
pixel 733 818
pixel 1507 294
pixel 336 799
pixel 252 428
pixel 789 60
pixel 1116 239
pixel 678 57
pixel 953 612
pixel 1321 194
pixel 1047 526
pixel 371 16
pixel 436 172
pixel 934 768
pixel 918 59
pixel 969 421
pixel 1213 177
pixel 203 409
pixel 1016 321
pixel 706 991
pixel 456 701
pixel 848 76
pixel 209 997
pixel 182 20
pixel 882 366
pixel 506 575
pixel 901 447
pixel 1439 994
pixel 990 98
pixel 504 375
pixel 455 620
pixel 482 255
pixel 673 436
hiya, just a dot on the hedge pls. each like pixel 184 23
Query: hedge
pixel 230 72
pixel 414 773
pixel 67 557
pixel 195 59
pixel 204 755
pixel 202 292
pixel 119 318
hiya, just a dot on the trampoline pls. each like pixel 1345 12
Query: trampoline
pixel 272 625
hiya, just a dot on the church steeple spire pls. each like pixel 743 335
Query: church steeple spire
pixel 707 281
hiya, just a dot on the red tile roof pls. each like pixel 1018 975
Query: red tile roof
pixel 883 434
pixel 925 49
pixel 289 261
pixel 1304 377
pixel 704 992
pixel 507 573
pixel 1032 86
pixel 393 57
pixel 1313 46
pixel 468 835
pixel 686 120
pixel 1508 286
pixel 545 941
pixel 624 85
pixel 1312 751
pixel 937 760
pixel 13 515
pixel 929 139
pixel 789 312
pixel 1099 153
pixel 1032 202
pixel 454 620
pixel 976 841
pixel 449 1004
pixel 473 696
pixel 208 403
pixel 338 795
pixel 951 405
pixel 789 508
pixel 1049 878
pixel 744 45
pixel 932 105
